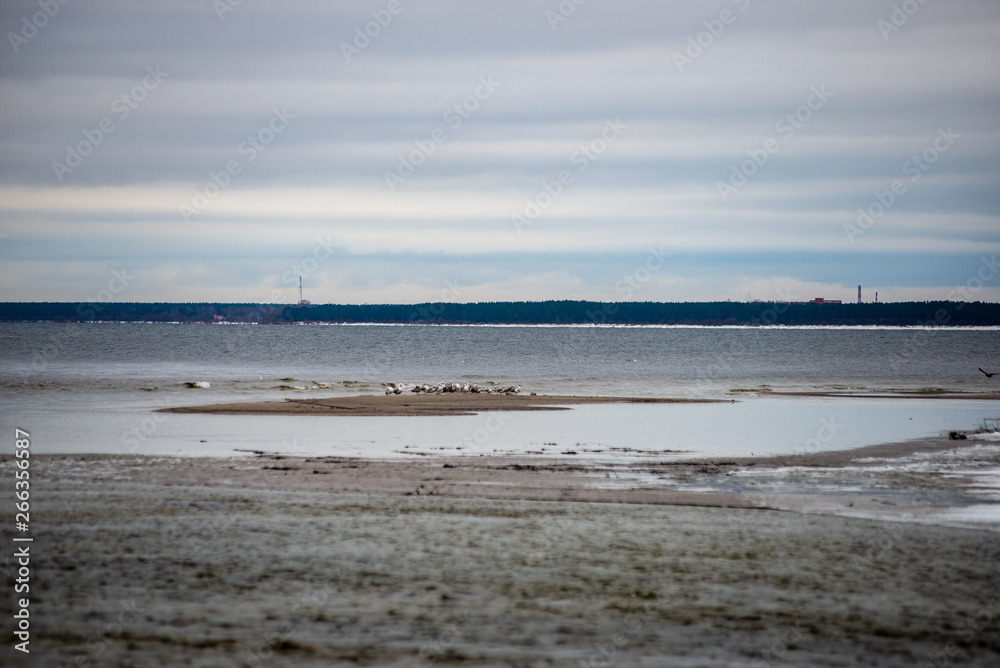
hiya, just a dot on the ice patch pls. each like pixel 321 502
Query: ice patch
pixel 988 513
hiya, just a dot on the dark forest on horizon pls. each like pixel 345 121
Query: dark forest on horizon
pixel 935 313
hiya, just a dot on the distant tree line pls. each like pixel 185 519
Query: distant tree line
pixel 941 313
pixel 140 312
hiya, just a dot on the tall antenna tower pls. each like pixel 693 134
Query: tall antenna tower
pixel 302 302
pixel 859 291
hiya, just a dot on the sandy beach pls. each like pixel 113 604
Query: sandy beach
pixel 470 404
pixel 420 404
pixel 480 561
pixel 562 334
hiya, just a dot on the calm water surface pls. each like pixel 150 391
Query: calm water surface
pixel 91 387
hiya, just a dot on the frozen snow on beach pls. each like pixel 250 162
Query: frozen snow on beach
pixel 986 513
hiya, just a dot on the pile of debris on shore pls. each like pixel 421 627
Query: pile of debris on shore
pixel 475 388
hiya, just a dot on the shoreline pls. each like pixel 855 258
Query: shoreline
pixel 912 481
pixel 472 404
pixel 481 561
pixel 421 404
pixel 885 394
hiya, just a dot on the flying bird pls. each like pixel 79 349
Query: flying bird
pixel 988 375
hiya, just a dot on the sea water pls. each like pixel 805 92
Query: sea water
pixel 93 387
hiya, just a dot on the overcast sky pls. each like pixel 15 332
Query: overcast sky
pixel 422 150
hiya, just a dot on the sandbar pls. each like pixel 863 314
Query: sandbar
pixel 421 404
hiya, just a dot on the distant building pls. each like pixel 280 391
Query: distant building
pixel 820 300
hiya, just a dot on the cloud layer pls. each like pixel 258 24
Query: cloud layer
pixel 525 150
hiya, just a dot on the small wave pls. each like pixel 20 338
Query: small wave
pixel 197 384
pixel 313 385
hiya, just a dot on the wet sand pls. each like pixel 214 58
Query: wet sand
pixel 420 404
pixel 888 394
pixel 471 404
pixel 485 561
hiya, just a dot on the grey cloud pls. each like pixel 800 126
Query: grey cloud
pixel 354 119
